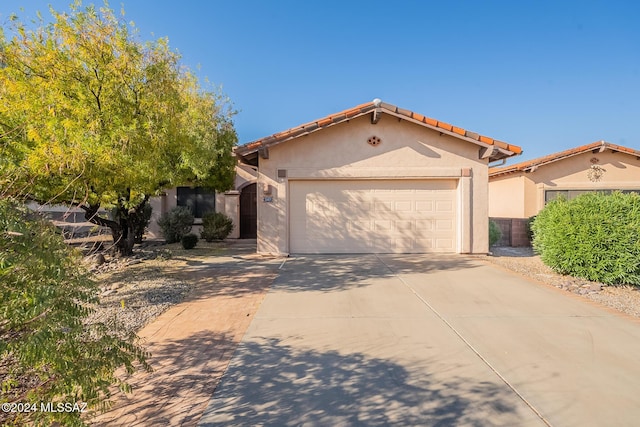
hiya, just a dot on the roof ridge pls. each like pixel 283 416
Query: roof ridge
pixel 377 104
pixel 550 158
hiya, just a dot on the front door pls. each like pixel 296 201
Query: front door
pixel 248 212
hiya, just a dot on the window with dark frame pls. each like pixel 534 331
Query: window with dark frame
pixel 199 200
pixel 550 195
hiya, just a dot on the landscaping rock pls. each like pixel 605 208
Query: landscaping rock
pixel 623 298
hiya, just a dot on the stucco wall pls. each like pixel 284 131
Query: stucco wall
pixel 407 150
pixel 506 197
pixel 622 171
pixel 226 202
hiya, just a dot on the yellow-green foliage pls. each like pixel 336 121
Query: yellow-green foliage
pixel 91 115
pixel 47 354
pixel 593 236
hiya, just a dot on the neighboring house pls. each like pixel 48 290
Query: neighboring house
pixel 520 191
pixel 374 178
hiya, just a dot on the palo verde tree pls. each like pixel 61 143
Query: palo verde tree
pixel 92 117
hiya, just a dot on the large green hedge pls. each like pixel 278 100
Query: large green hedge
pixel 593 236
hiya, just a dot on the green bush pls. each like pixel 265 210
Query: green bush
pixel 530 221
pixel 48 352
pixel 175 224
pixel 594 236
pixel 494 233
pixel 189 241
pixel 216 226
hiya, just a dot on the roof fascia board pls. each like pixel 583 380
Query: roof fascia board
pixel 598 147
pixel 438 129
pixel 314 127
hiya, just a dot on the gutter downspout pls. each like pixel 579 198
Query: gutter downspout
pixel 502 162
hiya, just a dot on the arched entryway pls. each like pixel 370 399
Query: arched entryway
pixel 249 212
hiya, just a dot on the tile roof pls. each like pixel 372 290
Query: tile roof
pixel 503 149
pixel 540 161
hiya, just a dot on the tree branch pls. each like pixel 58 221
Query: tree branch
pixel 91 215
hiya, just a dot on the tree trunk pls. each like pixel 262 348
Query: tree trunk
pixel 124 226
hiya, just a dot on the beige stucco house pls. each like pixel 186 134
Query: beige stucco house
pixel 521 190
pixel 374 178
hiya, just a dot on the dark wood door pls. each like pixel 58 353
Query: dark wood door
pixel 248 212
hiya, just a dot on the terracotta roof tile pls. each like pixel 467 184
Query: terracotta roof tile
pixel 486 139
pixel 445 126
pixel 472 135
pixel 384 107
pixel 524 166
pixel 459 131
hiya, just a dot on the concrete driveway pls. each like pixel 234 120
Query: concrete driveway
pixel 427 340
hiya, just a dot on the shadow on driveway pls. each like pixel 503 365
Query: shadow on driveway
pixel 272 383
pixel 340 272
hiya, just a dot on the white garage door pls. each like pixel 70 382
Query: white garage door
pixel 372 216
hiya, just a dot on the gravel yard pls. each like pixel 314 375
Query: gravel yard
pixel 625 299
pixel 136 290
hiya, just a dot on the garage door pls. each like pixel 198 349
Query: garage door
pixel 372 216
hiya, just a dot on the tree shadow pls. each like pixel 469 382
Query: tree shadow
pixel 186 372
pixel 271 383
pixel 339 272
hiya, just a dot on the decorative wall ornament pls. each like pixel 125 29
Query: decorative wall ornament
pixel 595 173
pixel 374 140
pixel 594 160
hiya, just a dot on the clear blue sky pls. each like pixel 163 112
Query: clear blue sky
pixel 545 75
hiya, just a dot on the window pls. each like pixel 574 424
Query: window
pixel 199 200
pixel 550 195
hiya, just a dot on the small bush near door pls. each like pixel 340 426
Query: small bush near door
pixel 175 224
pixel 216 226
pixel 189 241
pixel 594 236
pixel 494 233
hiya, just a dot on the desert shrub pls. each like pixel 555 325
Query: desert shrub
pixel 216 226
pixel 530 221
pixel 48 352
pixel 189 241
pixel 175 223
pixel 594 236
pixel 494 233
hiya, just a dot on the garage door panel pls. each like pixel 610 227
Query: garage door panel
pixel 444 206
pixel 404 225
pixel 403 206
pixel 444 225
pixel 399 216
pixel 424 206
pixel 444 244
pixel 384 206
pixel 424 225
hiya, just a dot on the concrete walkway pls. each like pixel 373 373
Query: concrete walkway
pixel 191 343
pixel 427 340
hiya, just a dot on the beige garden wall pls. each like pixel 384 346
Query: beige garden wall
pixel 407 151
